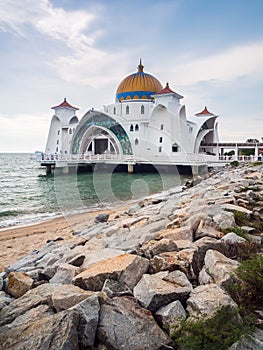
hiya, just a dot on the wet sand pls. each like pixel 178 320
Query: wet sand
pixel 17 242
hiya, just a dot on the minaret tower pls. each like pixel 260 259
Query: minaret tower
pixel 62 127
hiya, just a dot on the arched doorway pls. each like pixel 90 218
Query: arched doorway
pixel 99 140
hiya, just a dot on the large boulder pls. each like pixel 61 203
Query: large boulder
pixel 125 268
pixel 170 316
pixel 154 247
pixel 154 291
pixel 185 260
pixel 33 298
pixel 205 300
pixel 220 268
pixel 51 332
pixel 88 311
pixel 64 274
pixel 18 284
pixel 124 324
pixel 63 298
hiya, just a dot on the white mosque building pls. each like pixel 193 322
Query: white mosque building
pixel 146 127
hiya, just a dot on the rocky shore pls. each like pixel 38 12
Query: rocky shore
pixel 128 281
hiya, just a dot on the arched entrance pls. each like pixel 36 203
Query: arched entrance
pixel 99 140
pixel 102 130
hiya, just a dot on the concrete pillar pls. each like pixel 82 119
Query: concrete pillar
pixel 65 170
pixel 236 152
pixel 48 169
pixel 256 152
pixel 130 168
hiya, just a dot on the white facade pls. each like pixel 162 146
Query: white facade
pixel 147 130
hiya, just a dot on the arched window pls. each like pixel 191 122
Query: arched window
pixel 136 127
pixel 127 109
pixel 161 127
pixel 70 131
pixel 131 127
pixel 175 147
pixel 142 109
pixel 114 110
pixel 58 132
pixel 57 142
pixel 190 130
pixel 136 142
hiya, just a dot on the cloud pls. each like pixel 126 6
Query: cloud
pixel 69 27
pixel 24 130
pixel 233 63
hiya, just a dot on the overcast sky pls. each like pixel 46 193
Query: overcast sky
pixel 209 51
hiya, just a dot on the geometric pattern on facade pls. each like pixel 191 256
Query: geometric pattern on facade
pixel 107 122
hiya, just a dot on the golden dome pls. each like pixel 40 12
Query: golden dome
pixel 138 85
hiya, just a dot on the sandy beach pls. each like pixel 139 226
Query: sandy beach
pixel 17 242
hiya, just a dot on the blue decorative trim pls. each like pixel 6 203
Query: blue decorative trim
pixel 124 95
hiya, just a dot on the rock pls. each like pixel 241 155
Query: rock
pixel 154 247
pixel 205 230
pixel 64 274
pixel 178 233
pixel 88 311
pixel 133 209
pixel 220 268
pixel 33 298
pixel 205 300
pixel 248 229
pixel 114 288
pixel 77 260
pixel 232 238
pixel 34 314
pixel 237 208
pixel 18 284
pixel 185 260
pixel 153 291
pixel 253 342
pixel 101 218
pixel 170 316
pixel 52 332
pixel 97 255
pixel 5 299
pixel 124 324
pixel 65 297
pixel 224 220
pixel 126 268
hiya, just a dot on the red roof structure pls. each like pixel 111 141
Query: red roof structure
pixel 205 112
pixel 65 104
pixel 166 90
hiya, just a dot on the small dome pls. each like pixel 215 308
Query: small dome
pixel 138 85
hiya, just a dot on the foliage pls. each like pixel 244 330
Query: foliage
pixel 241 219
pixel 257 163
pixel 230 153
pixel 234 163
pixel 237 230
pixel 216 333
pixel 248 291
pixel 251 272
pixel 247 152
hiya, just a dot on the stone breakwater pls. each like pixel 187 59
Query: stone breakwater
pixel 127 280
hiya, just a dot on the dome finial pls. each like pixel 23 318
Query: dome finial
pixel 140 66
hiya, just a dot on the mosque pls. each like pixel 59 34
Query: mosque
pixel 145 128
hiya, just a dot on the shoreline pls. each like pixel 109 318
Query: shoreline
pixel 19 241
pixel 15 242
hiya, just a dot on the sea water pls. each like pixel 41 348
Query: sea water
pixel 28 195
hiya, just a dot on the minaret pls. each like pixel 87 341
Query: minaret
pixel 62 127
